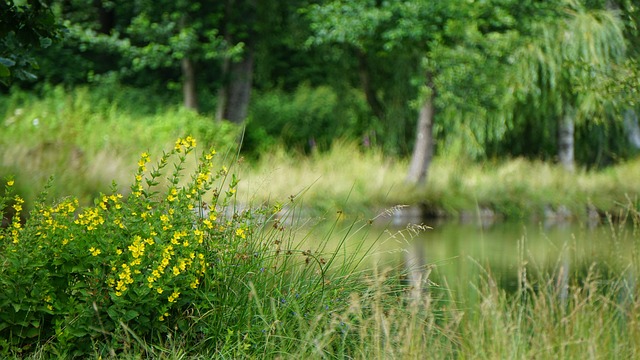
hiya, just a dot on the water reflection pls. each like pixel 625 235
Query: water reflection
pixel 562 251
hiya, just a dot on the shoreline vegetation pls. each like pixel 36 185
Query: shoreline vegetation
pixel 515 189
pixel 146 275
pixel 358 182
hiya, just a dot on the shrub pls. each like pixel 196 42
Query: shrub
pixel 304 119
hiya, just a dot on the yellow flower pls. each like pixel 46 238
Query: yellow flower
pixel 10 183
pixel 18 205
pixel 159 290
pixel 94 251
pixel 174 296
pixel 241 233
pixel 195 283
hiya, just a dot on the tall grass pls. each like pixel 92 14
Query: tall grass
pixel 513 189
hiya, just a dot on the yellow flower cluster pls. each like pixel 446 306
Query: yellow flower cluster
pixel 18 204
pixel 94 251
pixel 142 167
pixel 124 279
pixel 50 217
pixel 144 159
pixel 48 300
pixel 166 222
pixel 173 297
pixel 91 218
pixel 173 195
pixel 137 247
pixel 111 198
pixel 16 226
pixel 185 144
pixel 209 221
pixel 177 235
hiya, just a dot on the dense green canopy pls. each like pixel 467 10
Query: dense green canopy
pixel 500 77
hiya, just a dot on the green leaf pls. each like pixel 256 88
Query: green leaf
pixel 31 332
pixel 142 290
pixel 114 313
pixel 45 42
pixel 130 315
pixel 4 71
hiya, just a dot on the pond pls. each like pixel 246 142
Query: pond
pixel 460 253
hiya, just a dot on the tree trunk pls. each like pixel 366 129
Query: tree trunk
pixel 566 140
pixel 423 148
pixel 222 92
pixel 235 94
pixel 189 84
pixel 632 127
pixel 106 17
pixel 367 88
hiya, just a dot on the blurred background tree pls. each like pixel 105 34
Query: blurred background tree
pixel 418 78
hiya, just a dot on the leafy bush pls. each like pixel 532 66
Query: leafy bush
pixel 307 118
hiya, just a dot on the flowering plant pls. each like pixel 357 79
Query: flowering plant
pixel 140 260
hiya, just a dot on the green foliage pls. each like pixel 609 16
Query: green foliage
pixel 303 120
pixel 74 275
pixel 89 131
pixel 25 25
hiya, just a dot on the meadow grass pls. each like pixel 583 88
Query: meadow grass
pixel 514 189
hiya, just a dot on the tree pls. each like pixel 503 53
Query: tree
pixel 572 46
pixel 427 38
pixel 24 27
pixel 143 37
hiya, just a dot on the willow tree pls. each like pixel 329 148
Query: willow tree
pixel 563 52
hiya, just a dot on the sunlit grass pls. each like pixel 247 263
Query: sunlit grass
pixel 516 188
